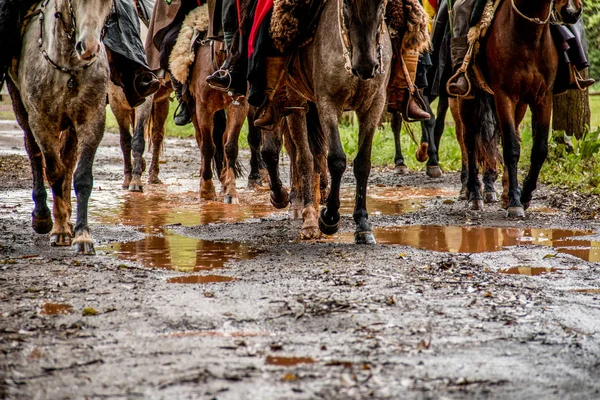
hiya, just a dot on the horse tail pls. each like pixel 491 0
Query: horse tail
pixel 148 129
pixel 488 140
pixel 317 141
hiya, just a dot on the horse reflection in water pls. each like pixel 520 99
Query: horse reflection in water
pixel 161 248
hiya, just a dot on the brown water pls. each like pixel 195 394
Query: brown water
pixel 288 361
pixel 156 209
pixel 528 271
pixel 199 279
pixel 56 309
pixel 475 239
pixel 588 290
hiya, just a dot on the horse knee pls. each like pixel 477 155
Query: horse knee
pixel 336 163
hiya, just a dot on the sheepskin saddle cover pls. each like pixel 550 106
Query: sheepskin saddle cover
pixel 294 22
pixel 184 52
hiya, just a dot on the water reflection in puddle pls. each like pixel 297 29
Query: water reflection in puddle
pixel 468 239
pixel 56 309
pixel 288 361
pixel 528 271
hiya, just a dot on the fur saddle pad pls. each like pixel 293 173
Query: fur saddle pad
pixel 184 52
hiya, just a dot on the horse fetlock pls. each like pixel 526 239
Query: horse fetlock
pixel 231 198
pixel 421 153
pixel 329 224
pixel 126 181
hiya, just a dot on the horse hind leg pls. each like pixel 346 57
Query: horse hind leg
pixel 460 137
pixel 467 113
pixel 124 115
pixel 204 139
pixel 41 218
pixel 83 180
pixel 489 191
pixel 235 120
pixel 430 133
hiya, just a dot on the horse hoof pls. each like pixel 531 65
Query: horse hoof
pixel 231 199
pixel 309 232
pixel 490 197
pixel 283 203
pixel 136 188
pixel 401 170
pixel 41 224
pixel 364 238
pixel 85 248
pixel 328 229
pixel 515 212
pixel 434 171
pixel 295 213
pixel 60 239
pixel 464 193
pixel 254 183
pixel 476 205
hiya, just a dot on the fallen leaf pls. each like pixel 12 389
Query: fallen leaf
pixel 88 312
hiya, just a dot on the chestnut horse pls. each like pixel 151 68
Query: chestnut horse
pixel 520 60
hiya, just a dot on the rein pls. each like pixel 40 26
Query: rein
pixel 70 33
pixel 534 20
pixel 347 45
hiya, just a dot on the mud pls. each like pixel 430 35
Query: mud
pixel 202 300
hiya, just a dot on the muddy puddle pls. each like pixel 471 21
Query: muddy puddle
pixel 288 361
pixel 466 239
pixel 153 211
pixel 56 309
pixel 200 279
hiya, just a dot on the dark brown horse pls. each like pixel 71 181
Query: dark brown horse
pixel 59 99
pixel 520 60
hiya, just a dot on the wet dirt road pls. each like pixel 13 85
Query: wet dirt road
pixel 197 300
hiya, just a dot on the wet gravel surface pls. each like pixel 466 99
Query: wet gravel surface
pixel 323 319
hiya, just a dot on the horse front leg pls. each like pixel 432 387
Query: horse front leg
pixel 471 130
pixel 41 219
pixel 329 219
pixel 362 169
pixel 305 170
pixel 429 132
pixel 124 121
pixel 396 124
pixel 236 116
pixel 460 138
pixel 83 180
pixel 505 111
pixel 138 145
pixel 540 118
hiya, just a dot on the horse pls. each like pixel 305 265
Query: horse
pixel 520 61
pixel 208 102
pixel 348 70
pixel 59 99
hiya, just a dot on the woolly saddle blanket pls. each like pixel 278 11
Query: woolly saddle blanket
pixel 195 25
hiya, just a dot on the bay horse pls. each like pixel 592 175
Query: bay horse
pixel 348 66
pixel 59 99
pixel 520 60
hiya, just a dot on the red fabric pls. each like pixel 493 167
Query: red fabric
pixel 262 9
pixel 238 6
pixel 199 2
